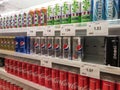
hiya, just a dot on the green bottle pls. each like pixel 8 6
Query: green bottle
pixel 75 11
pixel 86 10
pixel 57 14
pixel 50 15
pixel 66 13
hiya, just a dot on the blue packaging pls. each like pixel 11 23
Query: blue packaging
pixel 22 44
pixel 98 10
pixel 17 44
pixel 112 9
pixel 27 44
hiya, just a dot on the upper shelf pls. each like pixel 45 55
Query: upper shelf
pixel 98 28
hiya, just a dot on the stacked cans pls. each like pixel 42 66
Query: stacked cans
pixel 5 85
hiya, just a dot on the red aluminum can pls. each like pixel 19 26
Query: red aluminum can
pixel 24 70
pixel 19 88
pixel 7 85
pixel 118 86
pixel 72 81
pixel 4 84
pixel 106 85
pixel 83 82
pixel 14 67
pixel 63 80
pixel 6 64
pixel 55 79
pixel 15 87
pixel 35 73
pixel 19 69
pixel 29 72
pixel 41 75
pixel 1 84
pixel 11 87
pixel 10 66
pixel 48 77
pixel 94 84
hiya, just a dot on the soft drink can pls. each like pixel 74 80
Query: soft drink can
pixel 1 84
pixel 67 49
pixel 14 66
pixel 43 45
pixel 108 85
pixel 37 17
pixel 17 44
pixel 72 81
pixel 32 41
pixel 83 82
pixel 35 73
pixel 41 75
pixel 94 84
pixel 11 66
pixel 7 85
pixel 37 45
pixel 11 86
pixel 77 48
pixel 58 47
pixel 6 64
pixel 22 44
pixel 20 20
pixel 48 77
pixel 24 70
pixel 19 69
pixel 118 86
pixel 29 72
pixel 27 44
pixel 15 21
pixel 50 46
pixel 63 80
pixel 55 79
pixel 4 84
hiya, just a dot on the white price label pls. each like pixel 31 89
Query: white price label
pixel 90 71
pixel 49 31
pixel 46 63
pixel 31 32
pixel 99 28
pixel 67 30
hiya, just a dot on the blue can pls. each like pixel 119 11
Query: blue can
pixel 17 44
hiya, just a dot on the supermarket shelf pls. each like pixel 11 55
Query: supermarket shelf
pixel 79 28
pixel 70 63
pixel 36 86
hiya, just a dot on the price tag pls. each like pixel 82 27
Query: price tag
pixel 46 63
pixel 67 30
pixel 49 31
pixel 31 32
pixel 90 71
pixel 99 28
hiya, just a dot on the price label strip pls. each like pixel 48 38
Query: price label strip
pixel 68 30
pixel 90 71
pixel 46 63
pixel 31 32
pixel 99 28
pixel 49 31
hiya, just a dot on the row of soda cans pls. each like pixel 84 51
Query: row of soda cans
pixel 61 47
pixel 56 79
pixel 31 18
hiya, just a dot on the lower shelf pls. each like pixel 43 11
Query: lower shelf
pixel 31 84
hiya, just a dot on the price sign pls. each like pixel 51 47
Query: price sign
pixel 31 32
pixel 90 71
pixel 99 28
pixel 46 63
pixel 49 31
pixel 67 30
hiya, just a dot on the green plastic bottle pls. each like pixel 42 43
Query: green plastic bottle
pixel 66 13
